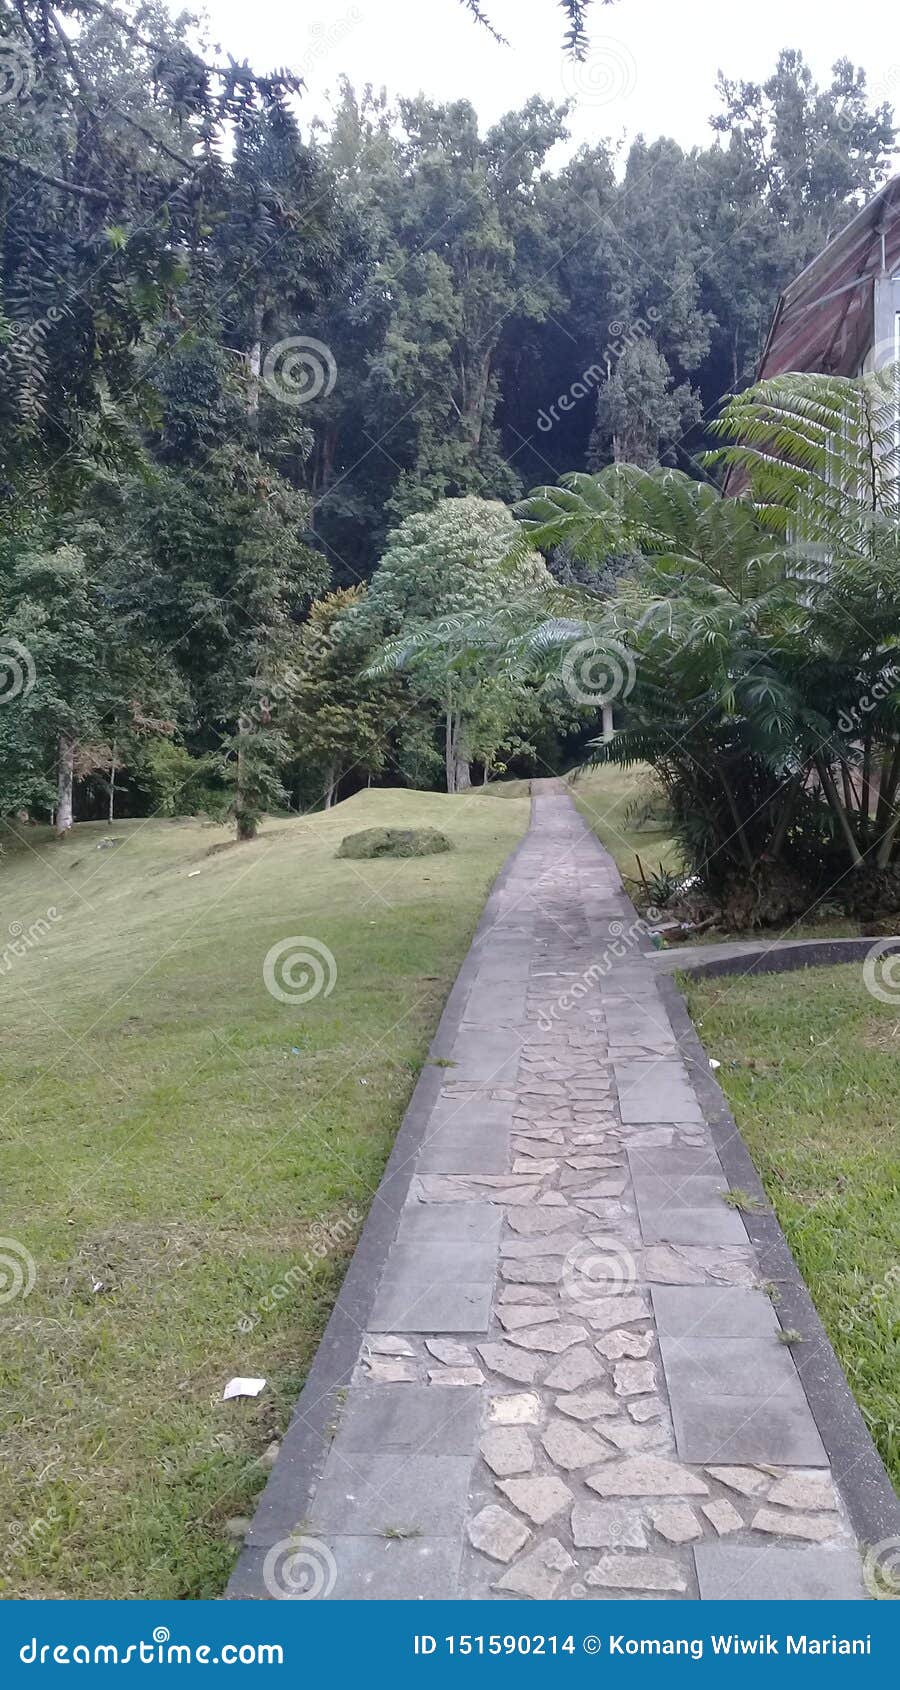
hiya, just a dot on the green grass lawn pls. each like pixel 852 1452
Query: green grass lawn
pixel 810 1065
pixel 179 1148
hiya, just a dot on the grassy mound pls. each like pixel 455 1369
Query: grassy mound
pixel 394 842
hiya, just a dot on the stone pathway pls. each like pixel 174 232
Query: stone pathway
pixel 572 1384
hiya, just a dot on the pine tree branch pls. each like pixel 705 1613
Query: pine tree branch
pixel 66 187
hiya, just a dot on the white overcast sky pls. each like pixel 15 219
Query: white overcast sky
pixel 651 69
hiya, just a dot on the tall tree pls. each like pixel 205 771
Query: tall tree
pixel 461 554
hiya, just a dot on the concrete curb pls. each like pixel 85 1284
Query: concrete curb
pixel 777 957
pixel 858 1469
pixel 307 1440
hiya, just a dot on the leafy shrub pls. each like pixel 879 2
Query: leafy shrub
pixel 178 784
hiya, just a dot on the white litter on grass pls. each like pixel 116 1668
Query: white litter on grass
pixel 713 1063
pixel 242 1388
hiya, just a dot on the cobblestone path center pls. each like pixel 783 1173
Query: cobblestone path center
pixel 571 1384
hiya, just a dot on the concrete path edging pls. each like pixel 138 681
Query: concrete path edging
pixel 775 956
pixel 305 1445
pixel 859 1472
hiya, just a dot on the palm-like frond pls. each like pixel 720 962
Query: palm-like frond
pixel 821 454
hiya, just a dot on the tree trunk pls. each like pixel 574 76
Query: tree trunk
pixel 830 791
pixel 255 357
pixel 449 759
pixel 330 784
pixel 887 787
pixel 787 815
pixel 883 856
pixel 865 796
pixel 112 783
pixel 246 822
pixel 742 839
pixel 66 779
pixel 459 775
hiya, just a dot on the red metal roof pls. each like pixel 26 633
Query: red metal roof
pixel 824 318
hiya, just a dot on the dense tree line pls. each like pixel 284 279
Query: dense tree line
pixel 180 480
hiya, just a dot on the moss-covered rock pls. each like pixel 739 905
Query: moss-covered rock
pixel 394 842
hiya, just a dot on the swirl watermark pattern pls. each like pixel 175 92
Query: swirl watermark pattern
pixel 621 336
pixel 17 1271
pixel 608 72
pixel 23 939
pixel 595 1269
pixel 299 1569
pixel 881 1570
pixel 325 38
pixel 596 672
pixel 299 969
pixel 17 670
pixel 298 370
pixel 882 380
pixel 881 972
pixel 16 72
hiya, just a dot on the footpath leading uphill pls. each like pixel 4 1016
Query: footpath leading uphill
pixel 554 1369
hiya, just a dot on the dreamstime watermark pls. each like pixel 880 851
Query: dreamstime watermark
pixel 881 972
pixel 17 1271
pixel 24 939
pixel 849 721
pixel 299 1569
pixel 26 342
pixel 20 1538
pixel 883 91
pixel 326 35
pixel 265 709
pixel 17 72
pixel 608 72
pixel 298 969
pixel 621 336
pixel 622 941
pixel 881 1569
pixel 298 370
pixel 17 670
pixel 597 672
pixel 867 1307
pixel 594 1269
pixel 325 1238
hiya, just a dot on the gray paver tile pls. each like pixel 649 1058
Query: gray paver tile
pixel 731 1572
pixel 779 1430
pixel 716 1224
pixel 450 1263
pixel 438 1223
pixel 673 1163
pixel 365 1569
pixel 717 1365
pixel 680 1191
pixel 371 1494
pixel 387 1419
pixel 460 1307
pixel 706 1311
